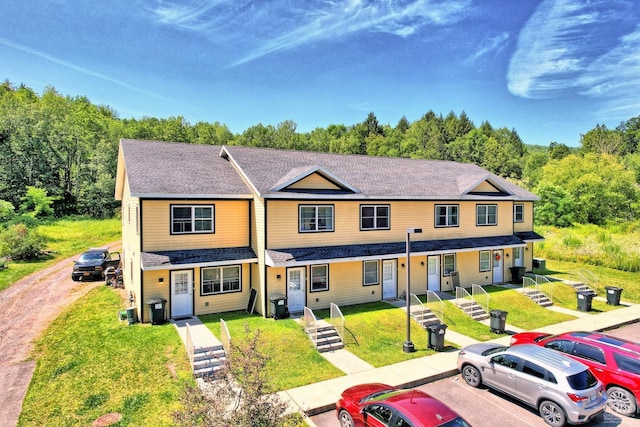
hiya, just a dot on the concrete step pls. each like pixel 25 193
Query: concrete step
pixel 207 363
pixel 323 348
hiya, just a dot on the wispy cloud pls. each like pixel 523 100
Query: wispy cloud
pixel 577 47
pixel 78 68
pixel 262 28
pixel 490 45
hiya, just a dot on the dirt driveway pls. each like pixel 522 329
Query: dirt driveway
pixel 26 309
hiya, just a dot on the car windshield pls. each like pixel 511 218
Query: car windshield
pixel 582 380
pixel 493 351
pixel 91 256
pixel 456 422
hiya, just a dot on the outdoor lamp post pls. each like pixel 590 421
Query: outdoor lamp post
pixel 408 347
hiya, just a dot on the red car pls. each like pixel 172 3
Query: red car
pixel 381 405
pixel 614 361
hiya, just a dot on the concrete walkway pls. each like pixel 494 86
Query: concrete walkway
pixel 322 396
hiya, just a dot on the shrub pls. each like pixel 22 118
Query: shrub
pixel 21 243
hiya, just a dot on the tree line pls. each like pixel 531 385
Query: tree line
pixel 63 149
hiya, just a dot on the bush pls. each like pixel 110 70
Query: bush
pixel 21 243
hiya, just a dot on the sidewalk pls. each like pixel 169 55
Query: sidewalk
pixel 322 396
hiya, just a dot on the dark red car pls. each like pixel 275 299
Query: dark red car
pixel 381 405
pixel 614 361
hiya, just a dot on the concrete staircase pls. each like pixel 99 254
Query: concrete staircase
pixel 425 318
pixel 472 308
pixel 538 297
pixel 580 287
pixel 327 338
pixel 207 361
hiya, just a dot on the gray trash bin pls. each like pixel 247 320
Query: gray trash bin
pixel 157 310
pixel 584 300
pixel 517 273
pixel 436 336
pixel 498 321
pixel 613 295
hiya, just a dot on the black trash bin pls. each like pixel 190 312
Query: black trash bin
pixel 156 310
pixel 613 295
pixel 132 316
pixel 517 273
pixel 498 321
pixel 436 336
pixel 279 309
pixel 584 300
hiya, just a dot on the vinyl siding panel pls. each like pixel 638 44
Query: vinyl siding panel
pixel 207 304
pixel 231 227
pixel 131 245
pixel 153 288
pixel 527 224
pixel 283 223
pixel 260 282
pixel 314 182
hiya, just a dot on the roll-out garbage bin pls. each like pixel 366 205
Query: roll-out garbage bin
pixel 156 310
pixel 584 300
pixel 436 336
pixel 132 316
pixel 517 273
pixel 613 295
pixel 498 321
pixel 279 309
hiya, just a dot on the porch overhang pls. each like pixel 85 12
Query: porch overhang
pixel 529 236
pixel 195 258
pixel 348 253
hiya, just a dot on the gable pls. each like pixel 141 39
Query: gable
pixel 314 182
pixel 485 187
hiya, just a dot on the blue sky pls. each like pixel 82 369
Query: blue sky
pixel 551 70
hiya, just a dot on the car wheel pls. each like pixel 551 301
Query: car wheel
pixel 75 278
pixel 622 401
pixel 552 414
pixel 345 419
pixel 471 376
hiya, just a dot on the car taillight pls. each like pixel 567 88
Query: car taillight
pixel 577 397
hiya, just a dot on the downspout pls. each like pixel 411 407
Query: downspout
pixel 265 305
pixel 140 257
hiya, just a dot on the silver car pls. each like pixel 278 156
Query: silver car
pixel 562 389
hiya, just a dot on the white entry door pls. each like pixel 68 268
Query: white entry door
pixel 181 293
pixel 389 282
pixel 497 267
pixel 433 273
pixel 296 291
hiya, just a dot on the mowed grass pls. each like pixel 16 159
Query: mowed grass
pixel 293 360
pixel 565 296
pixel 460 322
pixel 376 332
pixel 89 363
pixel 65 237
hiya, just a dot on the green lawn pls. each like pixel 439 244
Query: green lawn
pixel 65 238
pixel 293 361
pixel 376 332
pixel 89 363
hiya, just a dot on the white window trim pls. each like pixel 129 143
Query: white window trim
pixel 515 216
pixel 364 276
pixel 448 215
pixel 444 263
pixel 488 261
pixel 193 219
pixel 222 291
pixel 316 221
pixel 486 214
pixel 326 278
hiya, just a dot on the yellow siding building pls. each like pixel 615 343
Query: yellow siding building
pixel 211 229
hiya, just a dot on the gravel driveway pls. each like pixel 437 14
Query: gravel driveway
pixel 26 309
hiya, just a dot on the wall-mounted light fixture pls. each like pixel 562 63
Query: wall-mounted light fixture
pixel 278 276
pixel 507 255
pixel 421 262
pixel 161 279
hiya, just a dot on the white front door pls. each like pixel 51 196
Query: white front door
pixel 389 284
pixel 296 291
pixel 433 273
pixel 497 267
pixel 518 257
pixel 181 293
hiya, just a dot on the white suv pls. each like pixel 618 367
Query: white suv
pixel 562 389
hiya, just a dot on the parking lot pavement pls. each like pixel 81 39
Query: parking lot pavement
pixel 485 408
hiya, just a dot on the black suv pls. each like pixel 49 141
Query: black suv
pixel 93 263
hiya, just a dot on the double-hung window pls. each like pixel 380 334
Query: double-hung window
pixel 449 263
pixel 316 218
pixel 446 215
pixel 370 273
pixel 518 213
pixel 485 260
pixel 191 219
pixel 319 278
pixel 486 214
pixel 220 280
pixel 374 217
